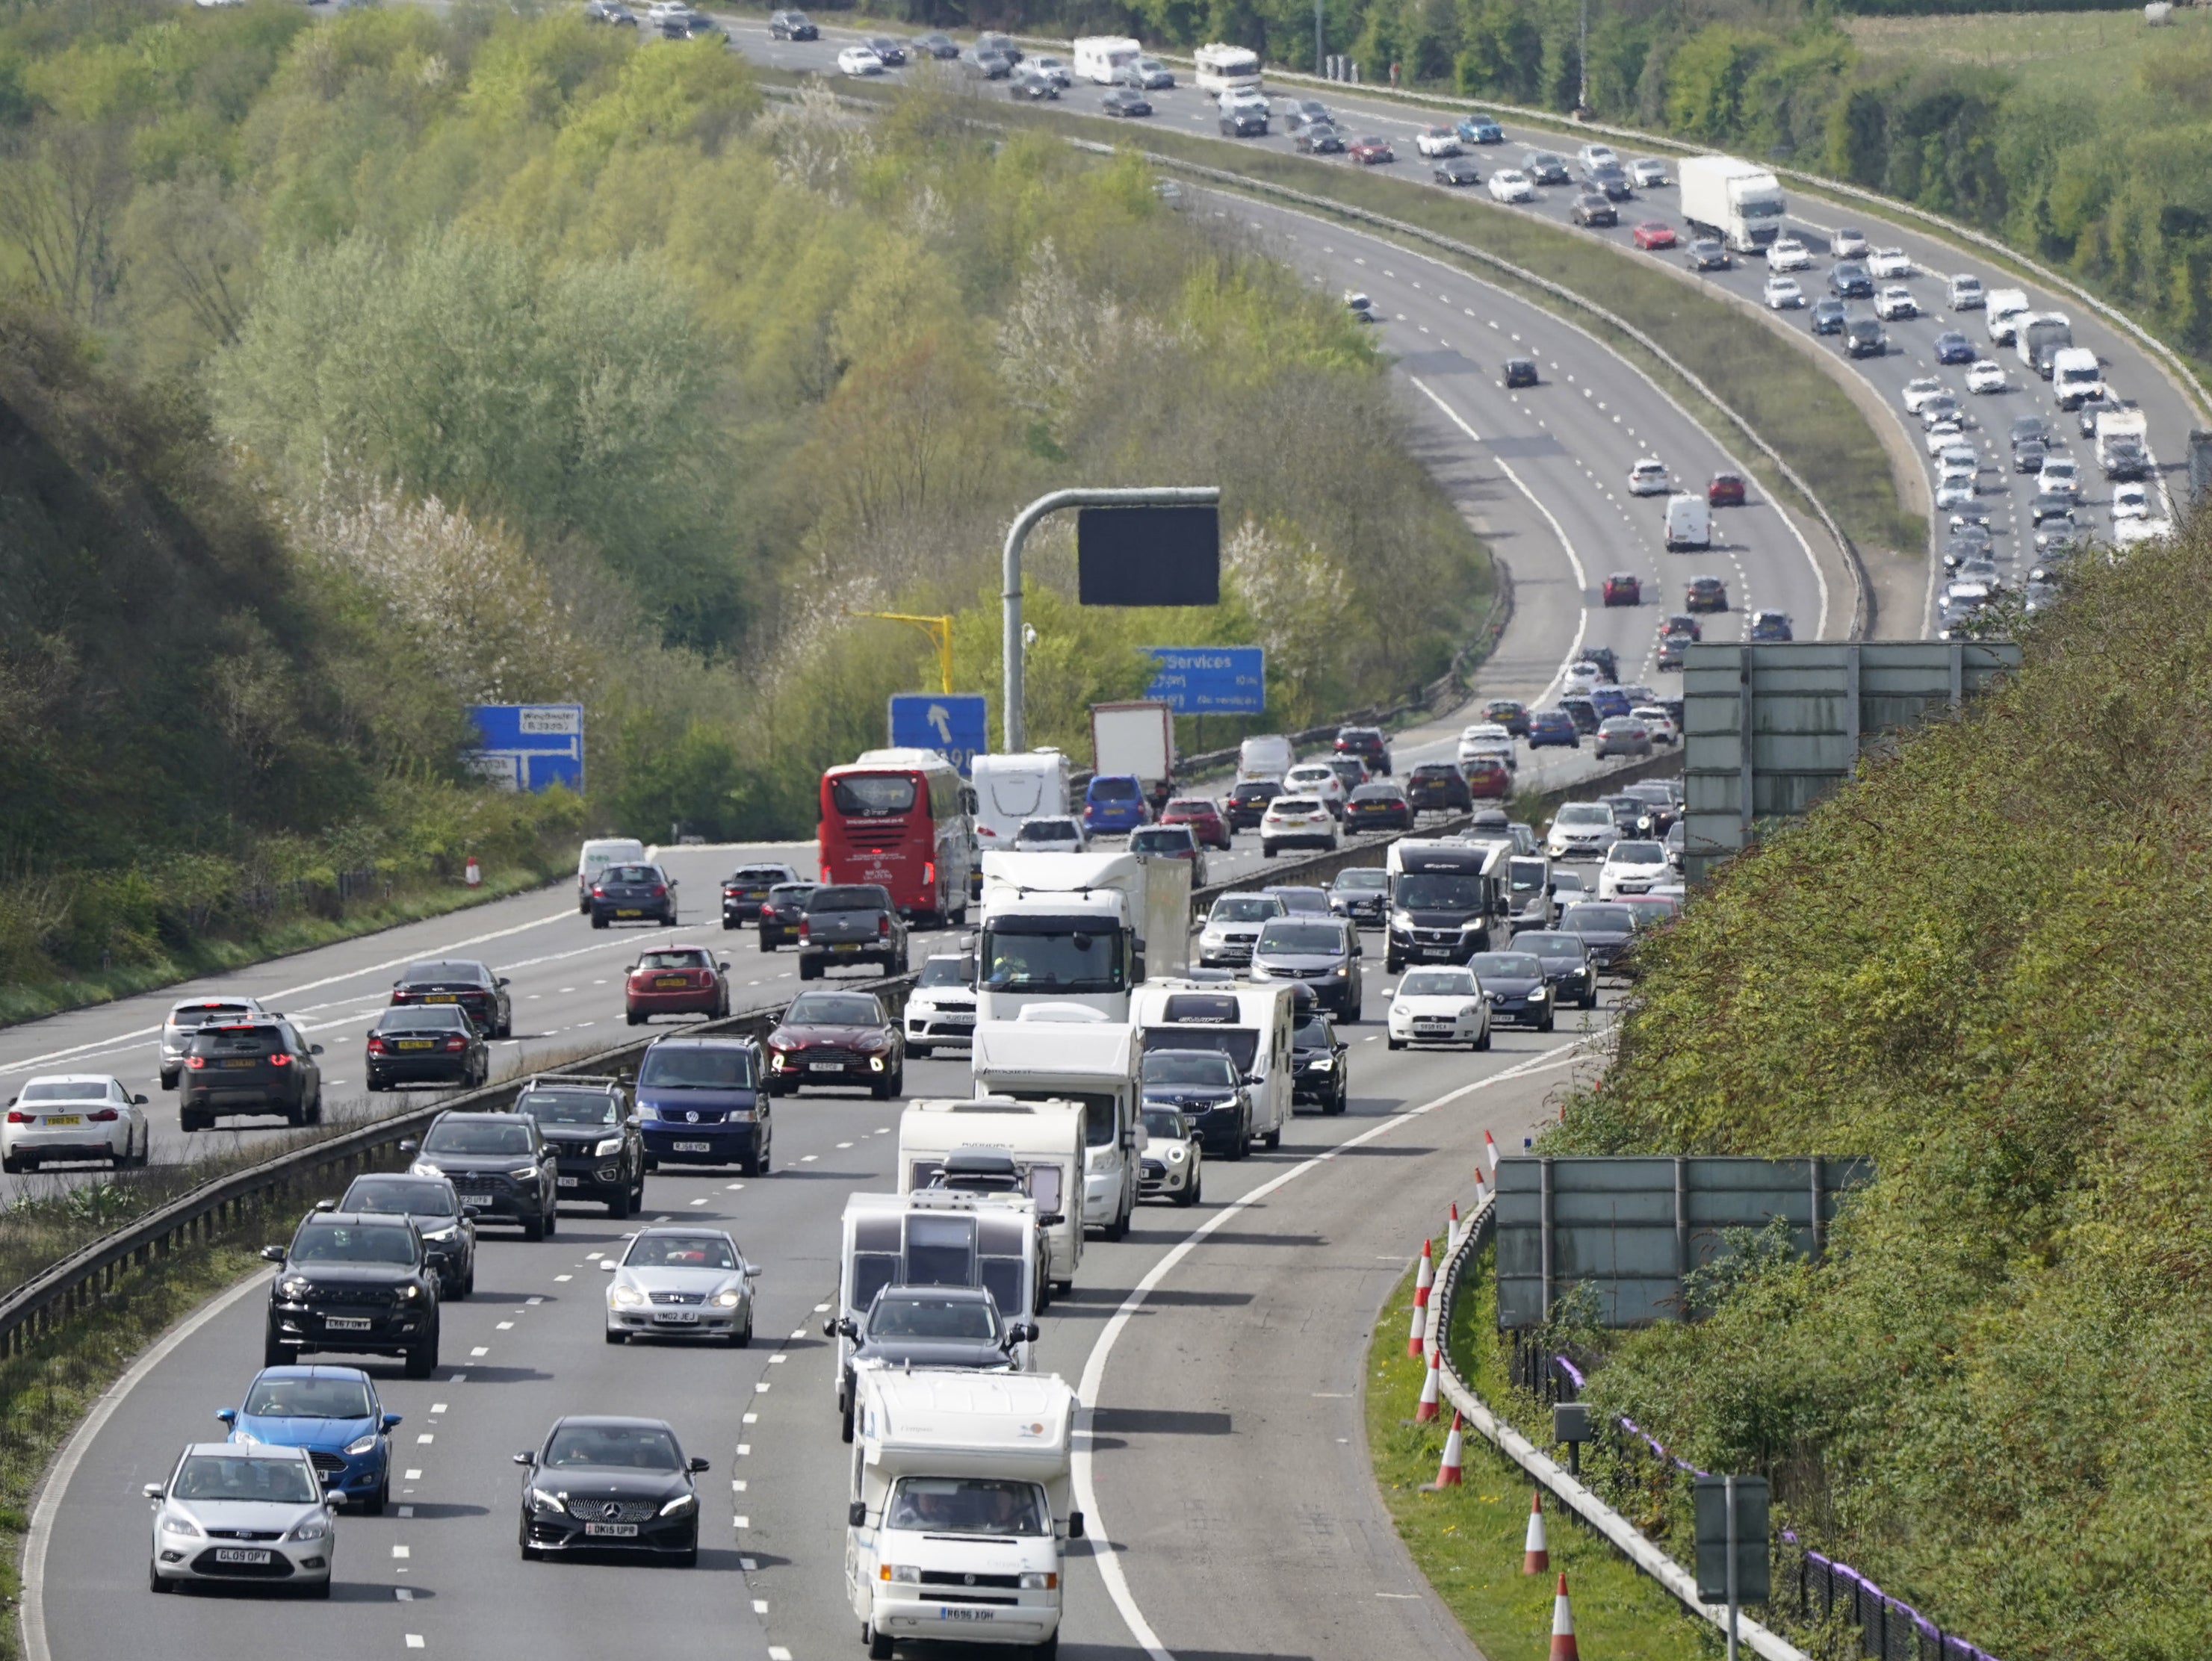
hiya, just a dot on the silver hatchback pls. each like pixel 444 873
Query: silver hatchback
pixel 233 1513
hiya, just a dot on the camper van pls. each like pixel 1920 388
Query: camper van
pixel 1044 1138
pixel 1251 1024
pixel 1055 1052
pixel 961 1479
pixel 1447 900
pixel 1226 68
pixel 1010 789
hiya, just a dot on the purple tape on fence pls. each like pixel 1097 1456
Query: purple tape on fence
pixel 1573 1372
pixel 1946 1644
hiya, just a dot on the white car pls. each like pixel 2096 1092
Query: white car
pixel 1661 725
pixel 1786 253
pixel 1648 478
pixel 941 1009
pixel 1919 390
pixel 1053 69
pixel 1316 779
pixel 1632 868
pixel 1943 435
pixel 1954 490
pixel 234 1511
pixel 1647 173
pixel 1888 265
pixel 1581 677
pixel 1434 141
pixel 1895 303
pixel 680 1281
pixel 1783 293
pixel 1173 1166
pixel 2126 533
pixel 1439 1006
pixel 1985 375
pixel 1511 184
pixel 1055 835
pixel 1488 738
pixel 1957 458
pixel 2061 474
pixel 1297 822
pixel 1847 244
pixel 859 61
pixel 1582 830
pixel 1593 156
pixel 60 1117
pixel 2131 501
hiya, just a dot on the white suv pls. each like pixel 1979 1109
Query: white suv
pixel 1316 779
pixel 1302 822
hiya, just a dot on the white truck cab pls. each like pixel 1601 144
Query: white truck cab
pixel 1078 928
pixel 1251 1024
pixel 1043 1137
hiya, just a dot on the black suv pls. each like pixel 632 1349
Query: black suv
pixel 780 914
pixel 1520 372
pixel 1862 338
pixel 791 26
pixel 448 1228
pixel 355 1283
pixel 1438 787
pixel 597 1152
pixel 746 890
pixel 632 894
pixel 938 1326
pixel 1320 1063
pixel 255 1065
pixel 432 1044
pixel 458 980
pixel 501 1163
pixel 1247 802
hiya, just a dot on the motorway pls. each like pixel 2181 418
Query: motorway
pixel 1225 1442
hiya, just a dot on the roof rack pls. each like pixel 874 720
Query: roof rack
pixel 554 1081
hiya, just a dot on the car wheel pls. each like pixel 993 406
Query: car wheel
pixel 296 1114
pixel 633 1018
pixel 614 1337
pixel 809 969
pixel 766 944
pixel 1273 1140
pixel 845 1431
pixel 469 1281
pixel 740 1339
pixel 1483 1043
pixel 552 1220
pixel 914 1048
pixel 10 1165
pixel 881 1089
pixel 879 1644
pixel 373 1506
pixel 762 1158
pixel 1590 998
pixel 1266 850
pixel 598 922
pixel 727 924
pixel 533 1228
pixel 619 1207
pixel 1397 1043
pixel 154 1580
pixel 1551 1023
pixel 422 1359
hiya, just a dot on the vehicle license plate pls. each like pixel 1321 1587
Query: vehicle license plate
pixel 568 1182
pixel 631 911
pixel 347 1323
pixel 672 983
pixel 239 1554
pixel 825 1066
pixel 958 1612
pixel 243 1061
pixel 847 948
pixel 64 1118
pixel 442 997
pixel 694 1148
pixel 418 1043
pixel 611 1531
pixel 677 1317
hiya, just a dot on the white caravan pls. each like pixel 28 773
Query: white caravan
pixel 1068 1054
pixel 1100 57
pixel 1044 1139
pixel 1009 789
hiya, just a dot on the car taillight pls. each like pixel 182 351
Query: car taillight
pixel 375 1045
pixel 15 1117
pixel 457 1042
pixel 732 893
pixel 929 873
pixel 659 892
pixel 196 1062
pixel 882 926
pixel 103 1116
pixel 598 893
pixel 280 1059
pixel 768 911
pixel 806 930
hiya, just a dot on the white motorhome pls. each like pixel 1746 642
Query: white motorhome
pixel 1011 788
pixel 1226 68
pixel 960 1480
pixel 1045 1055
pixel 2000 314
pixel 1100 57
pixel 1250 1024
pixel 2075 376
pixel 2124 430
pixel 1739 202
pixel 1689 523
pixel 1080 928
pixel 1044 1139
pixel 1270 756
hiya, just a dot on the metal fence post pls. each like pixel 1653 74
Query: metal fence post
pixel 1544 1205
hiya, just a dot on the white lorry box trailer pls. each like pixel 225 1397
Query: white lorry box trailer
pixel 1739 202
pixel 1078 928
pixel 1043 1137
pixel 1100 57
pixel 1012 788
pixel 1268 755
pixel 1251 1024
pixel 960 1480
pixel 1136 739
pixel 1093 1062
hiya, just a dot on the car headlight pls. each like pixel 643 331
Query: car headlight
pixel 361 1444
pixel 545 1501
pixel 523 1173
pixel 1177 1154
pixel 611 1145
pixel 174 1523
pixel 1039 1580
pixel 729 1298
pixel 1538 995
pixel 450 1231
pixel 906 1574
pixel 314 1528
pixel 423 1168
pixel 627 1297
pixel 1401 920
pixel 410 1292
pixel 875 1063
pixel 680 1505
pixel 1341 970
pixel 296 1287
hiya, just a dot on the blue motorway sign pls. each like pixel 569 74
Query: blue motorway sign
pixel 1210 680
pixel 530 746
pixel 956 724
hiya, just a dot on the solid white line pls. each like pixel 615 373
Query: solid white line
pixel 1094 1369
pixel 57 1485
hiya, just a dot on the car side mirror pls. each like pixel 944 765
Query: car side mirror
pixel 272 1254
pixel 472 1212
pixel 154 1491
pixel 389 1419
pixel 333 1501
pixel 847 1327
pixel 227 1415
pixel 609 1264
pixel 724 966
pixel 326 1205
pixel 410 1147
pixel 1075 1525
pixel 1052 1218
pixel 632 1122
pixel 137 1101
pixel 856 1515
pixel 698 1466
pixel 525 1458
pixel 502 981
pixel 1024 1331
pixel 752 1272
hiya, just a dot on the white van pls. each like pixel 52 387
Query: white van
pixel 1100 57
pixel 961 1479
pixel 2075 376
pixel 2001 312
pixel 1250 1024
pixel 1689 523
pixel 599 854
pixel 1270 756
pixel 1043 1138
pixel 1226 68
pixel 1011 789
pixel 1066 1053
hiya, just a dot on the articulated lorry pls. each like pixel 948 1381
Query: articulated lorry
pixel 1739 202
pixel 1079 928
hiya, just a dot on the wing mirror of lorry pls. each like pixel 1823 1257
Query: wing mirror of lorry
pixel 856 1515
pixel 1052 1218
pixel 1075 1525
pixel 1021 1333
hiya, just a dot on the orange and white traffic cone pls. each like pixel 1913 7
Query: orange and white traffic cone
pixel 1417 1332
pixel 1481 1193
pixel 1535 1559
pixel 1451 1229
pixel 1424 1410
pixel 1563 1624
pixel 1424 1279
pixel 1490 1144
pixel 1448 1473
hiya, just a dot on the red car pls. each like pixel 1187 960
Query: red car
pixel 1653 234
pixel 1725 491
pixel 677 980
pixel 1369 151
pixel 1623 588
pixel 1487 777
pixel 1202 816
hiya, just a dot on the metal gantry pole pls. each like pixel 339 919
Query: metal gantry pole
pixel 1731 1569
pixel 1015 725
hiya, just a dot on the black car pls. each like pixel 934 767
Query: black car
pixel 426 1044
pixel 791 26
pixel 598 1155
pixel 633 893
pixel 1438 787
pixel 501 1163
pixel 1660 808
pixel 1361 893
pixel 254 1064
pixel 1456 170
pixel 458 980
pixel 1247 802
pixel 1000 45
pixel 1318 138
pixel 1707 254
pixel 888 50
pixel 780 914
pixel 608 1484
pixel 2029 429
pixel 355 1283
pixel 2049 504
pixel 1520 372
pixel 1862 338
pixel 941 46
pixel 1951 347
pixel 1850 281
pixel 1829 317
pixel 688 25
pixel 1609 930
pixel 447 1227
pixel 2028 455
pixel 1516 987
pixel 746 890
pixel 934 1326
pixel 1320 1063
pixel 1567 969
pixel 1611 182
pixel 1126 101
pixel 1544 167
pixel 1591 208
pixel 1205 1086
pixel 1032 88
pixel 1378 807
pixel 1248 122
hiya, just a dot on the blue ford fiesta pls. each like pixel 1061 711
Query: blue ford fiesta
pixel 333 1412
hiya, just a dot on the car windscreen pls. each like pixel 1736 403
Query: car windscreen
pixel 1165 1122
pixel 1528 875
pixel 200 1014
pixel 1246 908
pixel 1505 966
pixel 418 1197
pixel 476 1137
pixel 622 1447
pixel 1112 790
pixel 1286 936
pixel 1440 892
pixel 1437 983
pixel 967 1505
pixel 419 974
pixel 1162 838
pixel 617 875
pixel 873 794
pixel 853 897
pixel 353 1242
pixel 1637 853
pixel 1313 1033
pixel 833 1009
pixel 1377 793
pixel 683 958
pixel 67 1089
pixel 944 971
pixel 308 1399
pixel 1366 879
pixel 569 1106
pixel 424 1018
pixel 1205 1067
pixel 757 877
pixel 974 1319
pixel 699 1066
pixel 1599 919
pixel 680 1252
pixel 1585 813
pixel 245 1480
pixel 1312 901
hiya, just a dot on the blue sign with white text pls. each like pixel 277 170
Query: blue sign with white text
pixel 956 724
pixel 1210 680
pixel 530 746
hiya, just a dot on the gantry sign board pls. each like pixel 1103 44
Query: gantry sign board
pixel 1148 556
pixel 531 747
pixel 1767 730
pixel 1209 680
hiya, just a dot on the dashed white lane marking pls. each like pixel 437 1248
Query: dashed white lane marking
pixel 414 1640
pixel 752 1418
pixel 479 1350
pixel 425 1440
pixel 760 1606
pixel 413 1476
pixel 557 1279
pixel 776 1360
pixel 760 1389
pixel 406 1510
pixel 505 1326
pixel 437 1406
pixel 400 1551
pixel 702 1200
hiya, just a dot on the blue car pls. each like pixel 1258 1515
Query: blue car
pixel 1951 347
pixel 1480 130
pixel 1114 802
pixel 699 1102
pixel 1553 726
pixel 334 1414
pixel 1608 702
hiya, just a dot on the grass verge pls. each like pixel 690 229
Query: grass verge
pixel 1468 1540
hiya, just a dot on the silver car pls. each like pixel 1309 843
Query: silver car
pixel 233 1513
pixel 187 1016
pixel 681 1282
